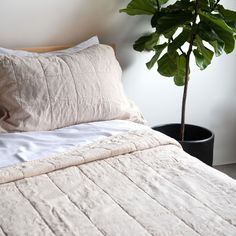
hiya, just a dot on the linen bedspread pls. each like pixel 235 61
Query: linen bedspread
pixel 135 183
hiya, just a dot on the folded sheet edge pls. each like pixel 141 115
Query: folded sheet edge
pixel 120 144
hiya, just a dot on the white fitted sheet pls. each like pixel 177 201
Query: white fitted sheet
pixel 26 146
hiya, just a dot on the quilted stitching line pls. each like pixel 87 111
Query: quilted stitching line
pixel 94 70
pixel 13 69
pixel 74 203
pixel 188 193
pixel 117 203
pixel 18 86
pixel 49 97
pixel 52 231
pixel 77 94
pixel 153 198
pixel 209 182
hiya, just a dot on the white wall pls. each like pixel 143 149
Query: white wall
pixel 212 93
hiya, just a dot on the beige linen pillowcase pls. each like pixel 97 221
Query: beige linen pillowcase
pixel 50 92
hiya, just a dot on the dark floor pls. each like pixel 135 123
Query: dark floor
pixel 228 169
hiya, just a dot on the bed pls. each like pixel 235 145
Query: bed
pixel 102 177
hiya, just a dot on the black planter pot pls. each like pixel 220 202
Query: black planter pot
pixel 199 142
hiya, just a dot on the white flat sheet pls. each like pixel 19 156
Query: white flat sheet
pixel 21 147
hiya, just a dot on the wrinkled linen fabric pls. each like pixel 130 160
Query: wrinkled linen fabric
pixel 49 92
pixel 135 183
pixel 26 146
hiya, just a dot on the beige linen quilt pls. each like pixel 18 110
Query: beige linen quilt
pixel 135 183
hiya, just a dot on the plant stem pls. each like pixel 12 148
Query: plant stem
pixel 187 70
pixel 158 5
pixel 182 128
pixel 178 47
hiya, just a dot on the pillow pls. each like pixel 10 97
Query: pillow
pixel 21 53
pixel 45 93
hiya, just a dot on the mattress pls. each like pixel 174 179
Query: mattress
pixel 138 182
pixel 26 146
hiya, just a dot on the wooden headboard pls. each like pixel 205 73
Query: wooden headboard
pixel 47 49
pixel 54 48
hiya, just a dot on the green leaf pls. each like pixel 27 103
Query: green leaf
pixel 163 1
pixel 205 5
pixel 228 39
pixel 146 42
pixel 179 77
pixel 179 41
pixel 169 34
pixel 207 17
pixel 223 31
pixel 167 64
pixel 206 32
pixel 218 47
pixel 209 35
pixel 200 62
pixel 202 54
pixel 158 49
pixel 183 5
pixel 232 25
pixel 155 17
pixel 167 22
pixel 141 7
pixel 228 14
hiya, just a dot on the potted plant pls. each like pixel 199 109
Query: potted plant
pixel 181 29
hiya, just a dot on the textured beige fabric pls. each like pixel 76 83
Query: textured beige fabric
pixel 49 92
pixel 136 183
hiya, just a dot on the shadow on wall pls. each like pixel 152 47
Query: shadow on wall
pixel 226 120
pixel 226 128
pixel 44 23
pixel 123 30
pixel 102 19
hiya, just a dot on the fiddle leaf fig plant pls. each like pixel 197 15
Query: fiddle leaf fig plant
pixel 202 28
